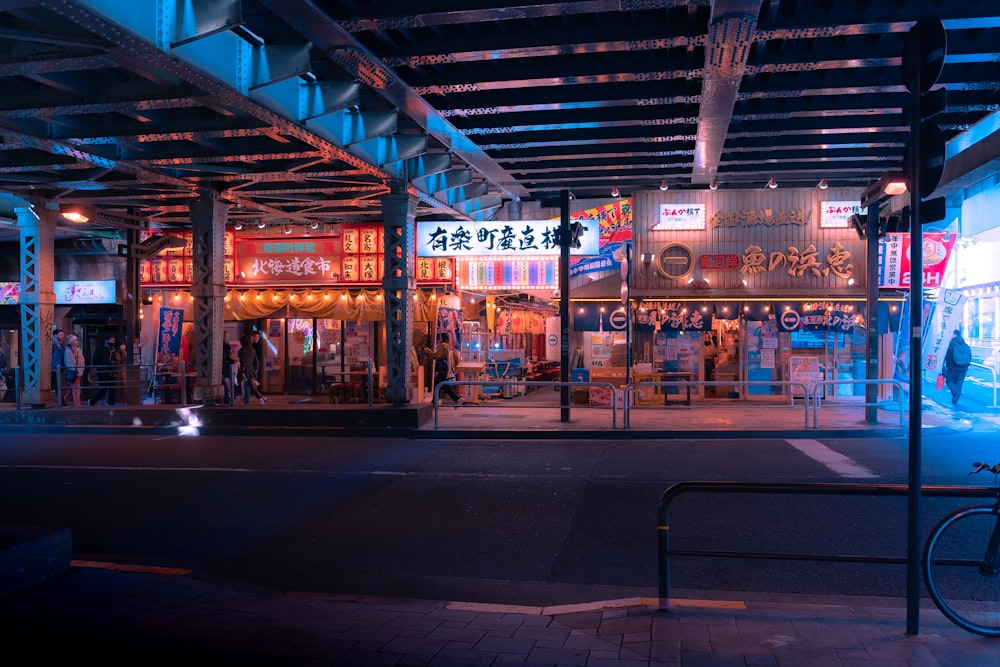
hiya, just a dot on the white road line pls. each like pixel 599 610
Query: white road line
pixel 835 461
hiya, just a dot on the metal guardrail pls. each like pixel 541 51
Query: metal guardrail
pixel 633 388
pixel 138 379
pixel 664 550
pixel 809 396
pixel 817 401
pixel 528 383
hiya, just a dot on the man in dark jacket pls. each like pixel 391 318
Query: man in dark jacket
pixel 956 365
pixel 100 361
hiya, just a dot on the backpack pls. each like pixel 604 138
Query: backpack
pixel 962 354
pixel 441 365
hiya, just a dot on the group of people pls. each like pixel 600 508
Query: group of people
pixel 241 368
pixel 69 364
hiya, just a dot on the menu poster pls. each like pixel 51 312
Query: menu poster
pixel 805 370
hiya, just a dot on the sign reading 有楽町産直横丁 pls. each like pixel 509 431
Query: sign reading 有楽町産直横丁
pixel 511 239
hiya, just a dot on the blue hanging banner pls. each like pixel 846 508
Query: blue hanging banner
pixel 168 341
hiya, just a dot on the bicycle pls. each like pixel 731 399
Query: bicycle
pixel 961 564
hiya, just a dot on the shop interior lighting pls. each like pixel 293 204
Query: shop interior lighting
pixel 614 191
pixel 314 225
pixel 822 185
pixel 772 184
pixel 663 184
pixel 714 185
pixel 238 226
pixel 261 224
pixel 288 229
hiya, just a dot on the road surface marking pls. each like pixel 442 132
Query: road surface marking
pixel 835 461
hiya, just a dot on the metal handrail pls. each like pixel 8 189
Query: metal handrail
pixel 802 488
pixel 631 387
pixel 993 371
pixel 146 373
pixel 823 383
pixel 528 383
pixel 369 367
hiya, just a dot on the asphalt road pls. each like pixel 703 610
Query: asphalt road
pixel 519 522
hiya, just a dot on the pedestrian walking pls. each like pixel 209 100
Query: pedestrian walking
pixel 249 368
pixel 229 360
pixel 956 364
pixel 443 368
pixel 74 363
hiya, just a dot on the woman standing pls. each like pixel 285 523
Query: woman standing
pixel 74 364
pixel 249 368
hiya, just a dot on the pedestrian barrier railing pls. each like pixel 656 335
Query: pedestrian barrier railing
pixel 993 372
pixel 610 390
pixel 819 391
pixel 137 381
pixel 636 389
pixel 788 394
pixel 665 551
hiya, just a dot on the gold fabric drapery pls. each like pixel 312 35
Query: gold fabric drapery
pixel 337 304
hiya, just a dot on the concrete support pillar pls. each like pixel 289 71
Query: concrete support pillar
pixel 399 210
pixel 37 299
pixel 209 216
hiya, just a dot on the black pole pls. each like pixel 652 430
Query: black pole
pixel 871 390
pixel 913 586
pixel 564 309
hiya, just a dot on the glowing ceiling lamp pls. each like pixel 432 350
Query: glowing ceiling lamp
pixel 822 185
pixel 714 185
pixel 614 191
pixel 772 184
pixel 663 184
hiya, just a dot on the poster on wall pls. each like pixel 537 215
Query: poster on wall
pixel 449 320
pixel 614 223
pixel 805 370
pixel 894 259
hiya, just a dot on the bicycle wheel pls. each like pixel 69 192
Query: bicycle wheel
pixel 961 569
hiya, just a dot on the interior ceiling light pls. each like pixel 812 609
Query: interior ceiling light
pixel 663 184
pixel 238 226
pixel 314 225
pixel 714 185
pixel 261 224
pixel 772 183
pixel 822 185
pixel 614 191
pixel 288 229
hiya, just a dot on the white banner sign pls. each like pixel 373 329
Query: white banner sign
pixel 946 316
pixel 681 217
pixel 836 214
pixel 512 239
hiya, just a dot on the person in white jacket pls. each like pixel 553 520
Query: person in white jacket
pixel 74 363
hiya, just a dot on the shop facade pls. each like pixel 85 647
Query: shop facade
pixel 764 286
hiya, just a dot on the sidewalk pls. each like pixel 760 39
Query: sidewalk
pixel 537 415
pixel 150 616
